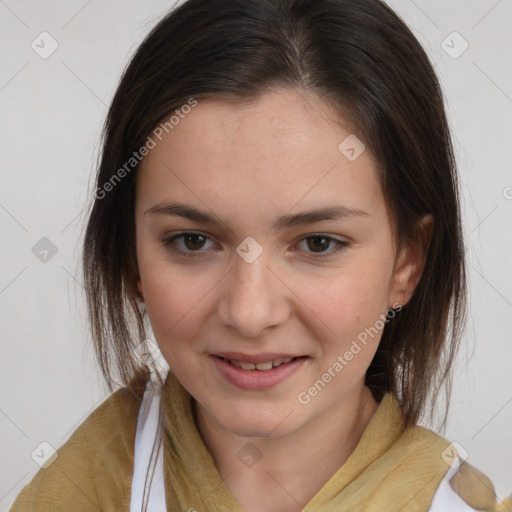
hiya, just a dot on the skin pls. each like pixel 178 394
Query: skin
pixel 247 165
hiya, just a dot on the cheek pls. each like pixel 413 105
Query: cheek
pixel 350 308
pixel 174 300
pixel 352 301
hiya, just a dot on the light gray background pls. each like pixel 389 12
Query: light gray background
pixel 51 112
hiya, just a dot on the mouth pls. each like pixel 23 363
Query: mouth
pixel 257 372
pixel 260 367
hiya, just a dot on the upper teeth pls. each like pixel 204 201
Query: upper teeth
pixel 260 366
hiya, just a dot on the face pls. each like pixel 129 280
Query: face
pixel 235 284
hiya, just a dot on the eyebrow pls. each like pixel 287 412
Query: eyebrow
pixel 283 222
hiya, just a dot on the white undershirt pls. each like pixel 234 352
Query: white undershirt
pixel 148 454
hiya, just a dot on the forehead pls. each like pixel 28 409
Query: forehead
pixel 271 153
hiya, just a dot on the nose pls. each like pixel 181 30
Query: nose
pixel 253 297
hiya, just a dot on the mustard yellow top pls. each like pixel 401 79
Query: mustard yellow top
pixel 390 469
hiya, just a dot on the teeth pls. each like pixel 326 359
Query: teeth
pixel 247 366
pixel 260 366
pixel 264 366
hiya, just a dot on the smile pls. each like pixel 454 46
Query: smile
pixel 262 367
pixel 255 376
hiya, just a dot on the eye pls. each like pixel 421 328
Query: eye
pixel 194 242
pixel 318 243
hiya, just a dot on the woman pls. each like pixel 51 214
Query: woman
pixel 278 197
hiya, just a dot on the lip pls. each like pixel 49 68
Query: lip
pixel 255 380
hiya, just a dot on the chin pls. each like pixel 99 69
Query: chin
pixel 255 423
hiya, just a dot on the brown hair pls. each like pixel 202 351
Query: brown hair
pixel 364 61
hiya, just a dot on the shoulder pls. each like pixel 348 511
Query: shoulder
pixel 477 490
pixel 463 487
pixel 92 469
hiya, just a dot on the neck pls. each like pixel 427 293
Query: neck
pixel 323 443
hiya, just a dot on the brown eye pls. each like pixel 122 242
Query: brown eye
pixel 319 243
pixel 191 245
pixel 193 241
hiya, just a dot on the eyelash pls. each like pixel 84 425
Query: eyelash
pixel 170 244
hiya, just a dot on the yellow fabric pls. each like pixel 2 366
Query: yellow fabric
pixel 94 467
pixel 389 470
pixel 476 488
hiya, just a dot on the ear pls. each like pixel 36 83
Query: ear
pixel 410 262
